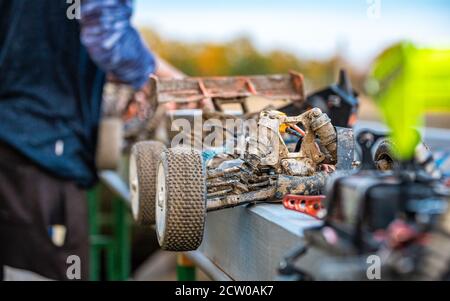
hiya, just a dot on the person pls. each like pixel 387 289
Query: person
pixel 52 72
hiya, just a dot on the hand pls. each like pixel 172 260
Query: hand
pixel 141 102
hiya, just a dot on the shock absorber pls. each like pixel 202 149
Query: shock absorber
pixel 322 127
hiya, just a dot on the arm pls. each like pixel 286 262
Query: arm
pixel 113 43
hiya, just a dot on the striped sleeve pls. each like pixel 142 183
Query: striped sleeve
pixel 113 43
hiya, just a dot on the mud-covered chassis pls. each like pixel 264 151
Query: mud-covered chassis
pixel 184 187
pixel 183 183
pixel 267 170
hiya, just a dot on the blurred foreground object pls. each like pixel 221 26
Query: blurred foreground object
pixel 407 81
pixel 399 219
pixel 393 210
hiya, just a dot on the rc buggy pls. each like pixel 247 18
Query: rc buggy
pixel 176 187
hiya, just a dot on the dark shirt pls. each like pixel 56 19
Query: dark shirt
pixel 51 89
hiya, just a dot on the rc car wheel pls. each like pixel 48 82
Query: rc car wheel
pixel 109 147
pixel 180 199
pixel 143 165
pixel 383 155
pixel 384 158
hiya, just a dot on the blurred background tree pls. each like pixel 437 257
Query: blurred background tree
pixel 240 57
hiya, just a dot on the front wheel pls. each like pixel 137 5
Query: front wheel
pixel 180 199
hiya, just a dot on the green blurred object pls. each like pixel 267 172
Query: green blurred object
pixel 186 270
pixel 115 246
pixel 407 81
pixel 186 273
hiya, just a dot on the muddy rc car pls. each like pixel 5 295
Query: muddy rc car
pixel 126 121
pixel 176 187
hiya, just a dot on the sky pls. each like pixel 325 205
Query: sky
pixel 357 29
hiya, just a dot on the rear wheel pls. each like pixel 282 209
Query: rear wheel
pixel 143 164
pixel 180 199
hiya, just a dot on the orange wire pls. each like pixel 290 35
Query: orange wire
pixel 299 130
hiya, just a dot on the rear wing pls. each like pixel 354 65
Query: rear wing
pixel 234 88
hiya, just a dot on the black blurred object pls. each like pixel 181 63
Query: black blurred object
pixel 339 101
pixel 287 270
pixel 402 216
pixel 366 141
